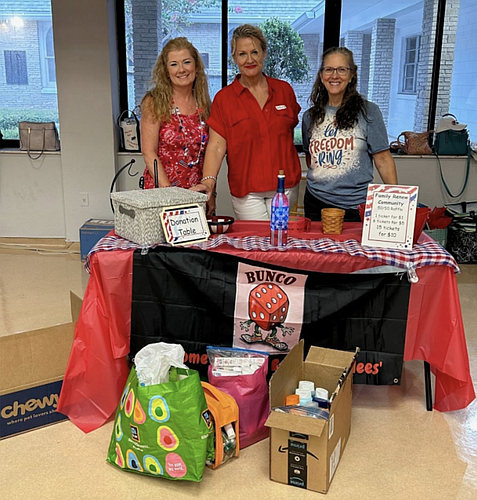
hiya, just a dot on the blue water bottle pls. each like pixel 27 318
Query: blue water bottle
pixel 280 214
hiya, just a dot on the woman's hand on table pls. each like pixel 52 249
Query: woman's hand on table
pixel 207 186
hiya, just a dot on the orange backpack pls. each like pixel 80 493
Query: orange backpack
pixel 224 410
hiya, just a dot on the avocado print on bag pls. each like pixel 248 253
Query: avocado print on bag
pixel 163 430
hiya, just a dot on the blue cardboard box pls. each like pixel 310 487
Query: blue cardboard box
pixel 33 365
pixel 91 232
pixel 34 407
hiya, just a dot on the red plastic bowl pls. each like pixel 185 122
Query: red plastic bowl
pixel 220 223
pixel 422 214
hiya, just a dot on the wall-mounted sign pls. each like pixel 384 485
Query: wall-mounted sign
pixel 389 216
pixel 185 224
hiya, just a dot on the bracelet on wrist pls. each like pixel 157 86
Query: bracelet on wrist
pixel 214 194
pixel 209 177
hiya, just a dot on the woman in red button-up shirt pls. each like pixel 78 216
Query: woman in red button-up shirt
pixel 252 120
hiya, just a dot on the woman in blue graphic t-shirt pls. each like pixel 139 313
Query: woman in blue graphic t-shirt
pixel 342 135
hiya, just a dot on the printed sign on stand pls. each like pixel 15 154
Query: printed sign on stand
pixel 185 224
pixel 389 216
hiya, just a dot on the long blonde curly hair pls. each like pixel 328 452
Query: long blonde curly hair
pixel 158 100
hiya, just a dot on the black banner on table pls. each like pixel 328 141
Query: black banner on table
pixel 192 297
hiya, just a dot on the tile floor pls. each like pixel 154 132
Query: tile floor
pixel 397 450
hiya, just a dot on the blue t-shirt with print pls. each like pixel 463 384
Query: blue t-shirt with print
pixel 341 160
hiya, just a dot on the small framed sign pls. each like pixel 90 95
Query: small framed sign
pixel 389 216
pixel 184 224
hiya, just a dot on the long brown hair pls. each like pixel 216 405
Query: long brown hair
pixel 353 102
pixel 158 99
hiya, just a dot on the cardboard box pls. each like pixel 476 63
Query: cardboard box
pixel 91 232
pixel 33 365
pixel 305 451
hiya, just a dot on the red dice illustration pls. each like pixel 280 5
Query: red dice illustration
pixel 268 305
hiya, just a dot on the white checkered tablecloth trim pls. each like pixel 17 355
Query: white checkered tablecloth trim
pixel 428 253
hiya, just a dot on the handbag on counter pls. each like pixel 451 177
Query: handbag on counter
pixel 129 131
pixel 413 143
pixel 452 139
pixel 38 137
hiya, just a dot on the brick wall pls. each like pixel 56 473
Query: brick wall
pixel 381 64
pixel 424 70
pixel 33 95
pixel 147 43
pixel 360 44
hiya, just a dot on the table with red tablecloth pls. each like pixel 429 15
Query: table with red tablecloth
pixel 98 365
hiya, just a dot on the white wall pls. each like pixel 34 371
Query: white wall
pixel 423 171
pixel 83 55
pixel 41 198
pixel 31 196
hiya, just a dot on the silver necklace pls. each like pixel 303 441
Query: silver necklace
pixel 203 138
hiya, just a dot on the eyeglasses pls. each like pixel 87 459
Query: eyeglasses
pixel 328 70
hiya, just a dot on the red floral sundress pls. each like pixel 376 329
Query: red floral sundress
pixel 181 149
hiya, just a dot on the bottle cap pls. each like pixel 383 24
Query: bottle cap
pixel 321 393
pixel 307 385
pixel 292 399
pixel 303 393
pixel 281 172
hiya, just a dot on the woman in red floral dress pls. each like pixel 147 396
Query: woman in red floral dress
pixel 174 134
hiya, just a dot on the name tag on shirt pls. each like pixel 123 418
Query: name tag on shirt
pixel 280 106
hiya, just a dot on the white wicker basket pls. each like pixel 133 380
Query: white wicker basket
pixel 137 213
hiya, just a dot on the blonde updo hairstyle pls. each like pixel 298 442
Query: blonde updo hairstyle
pixel 158 100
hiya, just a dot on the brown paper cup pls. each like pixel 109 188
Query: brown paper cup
pixel 332 219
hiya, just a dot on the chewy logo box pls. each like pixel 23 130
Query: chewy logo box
pixel 32 365
pixel 91 232
pixel 305 451
pixel 25 410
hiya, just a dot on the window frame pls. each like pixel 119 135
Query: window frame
pixel 205 59
pixel 331 38
pixel 10 67
pixel 44 28
pixel 405 65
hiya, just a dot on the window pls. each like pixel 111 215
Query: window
pixel 209 24
pixel 205 59
pixel 149 24
pixel 47 56
pixel 16 67
pixel 411 59
pixel 27 58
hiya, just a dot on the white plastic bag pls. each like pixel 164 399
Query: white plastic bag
pixel 154 361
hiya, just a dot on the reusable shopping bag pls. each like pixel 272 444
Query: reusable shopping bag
pixel 163 430
pixel 225 414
